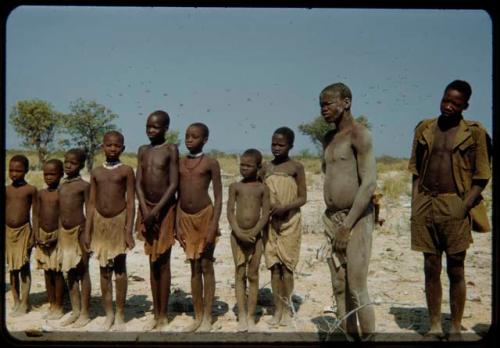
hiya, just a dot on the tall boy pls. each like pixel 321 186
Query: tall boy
pixel 46 230
pixel 198 221
pixel 108 231
pixel 450 163
pixel 286 180
pixel 157 178
pixel 73 257
pixel 19 239
pixel 251 198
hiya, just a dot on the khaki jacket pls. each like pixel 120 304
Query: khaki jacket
pixel 471 156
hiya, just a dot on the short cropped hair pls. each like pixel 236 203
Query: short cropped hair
pixel 339 88
pixel 114 133
pixel 56 163
pixel 162 115
pixel 255 154
pixel 201 126
pixel 23 160
pixel 79 153
pixel 461 86
pixel 287 133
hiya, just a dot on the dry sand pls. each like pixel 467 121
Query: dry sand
pixel 396 285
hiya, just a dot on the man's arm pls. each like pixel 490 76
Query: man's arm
pixel 367 172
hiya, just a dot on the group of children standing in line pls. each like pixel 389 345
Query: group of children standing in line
pixel 73 219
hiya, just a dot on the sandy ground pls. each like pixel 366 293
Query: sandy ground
pixel 396 285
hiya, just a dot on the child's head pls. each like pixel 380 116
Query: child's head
pixel 282 142
pixel 18 167
pixel 196 137
pixel 455 98
pixel 334 100
pixel 53 171
pixel 112 144
pixel 250 163
pixel 157 125
pixel 74 161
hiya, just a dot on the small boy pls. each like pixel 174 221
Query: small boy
pixel 198 221
pixel 251 198
pixel 73 258
pixel 19 238
pixel 287 184
pixel 108 231
pixel 157 178
pixel 46 230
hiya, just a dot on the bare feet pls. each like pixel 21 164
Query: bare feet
pixel 71 319
pixel 82 321
pixel 206 326
pixel 119 324
pixel 455 335
pixel 286 319
pixel 242 325
pixel 150 325
pixel 110 318
pixel 194 326
pixel 162 324
pixel 22 309
pixel 274 321
pixel 55 314
pixel 251 324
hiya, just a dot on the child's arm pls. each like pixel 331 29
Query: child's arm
pixel 265 212
pixel 173 183
pixel 34 203
pixel 129 239
pixel 138 186
pixel 35 218
pixel 231 217
pixel 217 187
pixel 90 198
pixel 300 179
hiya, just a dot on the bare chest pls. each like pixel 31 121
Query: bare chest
pixel 443 141
pixel 339 150
pixel 156 159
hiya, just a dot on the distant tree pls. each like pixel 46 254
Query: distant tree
pixel 317 128
pixel 173 137
pixel 86 124
pixel 36 122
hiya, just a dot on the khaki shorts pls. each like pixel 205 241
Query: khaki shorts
pixel 439 223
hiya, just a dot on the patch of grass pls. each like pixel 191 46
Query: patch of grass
pixel 395 186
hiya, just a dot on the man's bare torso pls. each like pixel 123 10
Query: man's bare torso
pixel 48 210
pixel 341 173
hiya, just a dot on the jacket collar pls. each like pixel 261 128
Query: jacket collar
pixel 463 133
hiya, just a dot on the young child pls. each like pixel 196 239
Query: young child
pixel 73 258
pixel 157 177
pixel 198 221
pixel 287 184
pixel 19 238
pixel 46 230
pixel 108 231
pixel 251 198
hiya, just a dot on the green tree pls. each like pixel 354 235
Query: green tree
pixel 86 124
pixel 317 128
pixel 36 122
pixel 173 137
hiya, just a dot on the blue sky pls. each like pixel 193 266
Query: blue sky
pixel 245 72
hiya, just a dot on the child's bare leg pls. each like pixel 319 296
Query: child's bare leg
pixel 14 282
pixel 358 258
pixel 286 318
pixel 121 284
pixel 278 304
pixel 196 293
pixel 164 289
pixel 207 267
pixel 253 284
pixel 154 275
pixel 433 291
pixel 74 296
pixel 50 287
pixel 84 318
pixel 455 269
pixel 239 287
pixel 25 275
pixel 107 296
pixel 58 281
